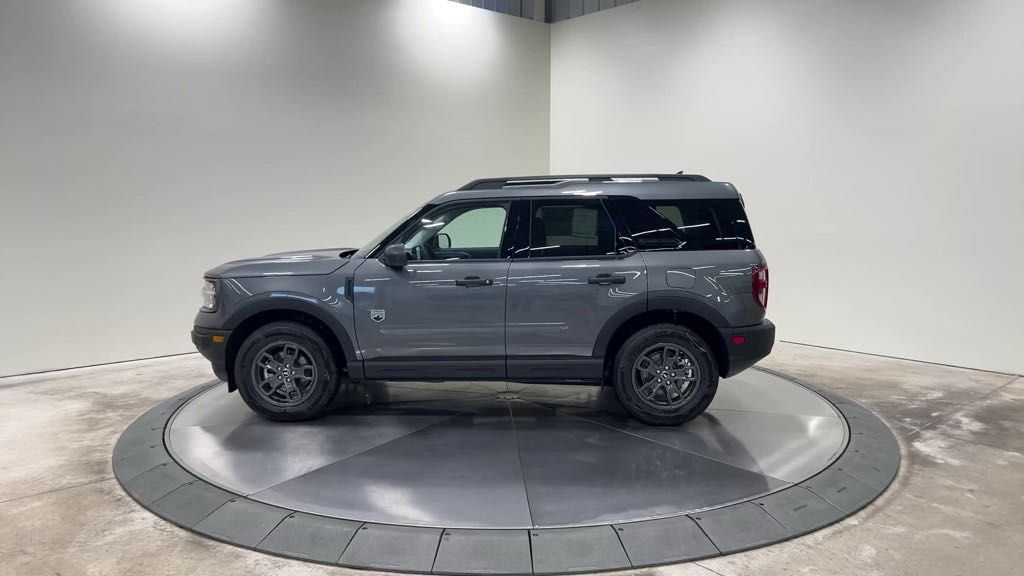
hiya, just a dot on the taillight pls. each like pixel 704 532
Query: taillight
pixel 759 284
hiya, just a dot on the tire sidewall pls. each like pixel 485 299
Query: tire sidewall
pixel 324 388
pixel 707 384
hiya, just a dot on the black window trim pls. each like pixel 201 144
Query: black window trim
pixel 520 238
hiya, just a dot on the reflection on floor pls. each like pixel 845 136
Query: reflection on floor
pixel 955 508
pixel 496 455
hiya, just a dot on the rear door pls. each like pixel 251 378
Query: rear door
pixel 570 275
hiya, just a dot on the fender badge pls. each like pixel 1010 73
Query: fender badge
pixel 377 315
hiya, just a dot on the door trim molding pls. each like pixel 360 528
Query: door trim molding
pixel 435 368
pixel 555 369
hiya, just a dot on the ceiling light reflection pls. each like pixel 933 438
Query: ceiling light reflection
pixel 186 24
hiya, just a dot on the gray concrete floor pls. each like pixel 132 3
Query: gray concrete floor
pixel 957 506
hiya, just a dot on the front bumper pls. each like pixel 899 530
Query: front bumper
pixel 213 345
pixel 747 345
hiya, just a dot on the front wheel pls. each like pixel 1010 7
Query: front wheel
pixel 285 371
pixel 665 375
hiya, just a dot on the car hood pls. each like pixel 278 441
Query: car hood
pixel 297 263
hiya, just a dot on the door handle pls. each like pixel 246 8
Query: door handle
pixel 473 281
pixel 605 279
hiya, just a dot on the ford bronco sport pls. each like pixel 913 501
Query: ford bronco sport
pixel 648 283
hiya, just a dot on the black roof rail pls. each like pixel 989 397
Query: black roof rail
pixel 552 180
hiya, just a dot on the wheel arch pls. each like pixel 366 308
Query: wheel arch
pixel 280 309
pixel 664 308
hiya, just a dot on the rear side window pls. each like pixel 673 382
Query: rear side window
pixel 566 228
pixel 690 224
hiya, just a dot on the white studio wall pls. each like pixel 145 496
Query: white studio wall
pixel 142 143
pixel 879 147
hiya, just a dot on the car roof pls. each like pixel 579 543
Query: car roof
pixel 644 186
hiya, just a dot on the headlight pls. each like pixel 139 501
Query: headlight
pixel 209 296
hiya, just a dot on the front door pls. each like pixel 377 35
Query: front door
pixel 565 288
pixel 442 316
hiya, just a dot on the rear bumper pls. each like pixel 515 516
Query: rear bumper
pixel 747 345
pixel 213 345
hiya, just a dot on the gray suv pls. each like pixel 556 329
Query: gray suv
pixel 647 283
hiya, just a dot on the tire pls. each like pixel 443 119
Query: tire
pixel 693 373
pixel 262 363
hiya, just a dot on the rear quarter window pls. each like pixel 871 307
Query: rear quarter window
pixel 732 219
pixel 686 224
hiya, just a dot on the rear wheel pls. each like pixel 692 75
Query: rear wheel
pixel 285 371
pixel 665 375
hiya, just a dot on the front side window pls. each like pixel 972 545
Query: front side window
pixel 464 231
pixel 568 228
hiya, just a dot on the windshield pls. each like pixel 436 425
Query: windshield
pixel 390 231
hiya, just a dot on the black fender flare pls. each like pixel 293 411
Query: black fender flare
pixel 658 300
pixel 294 302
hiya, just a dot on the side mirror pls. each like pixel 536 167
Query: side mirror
pixel 395 256
pixel 444 241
